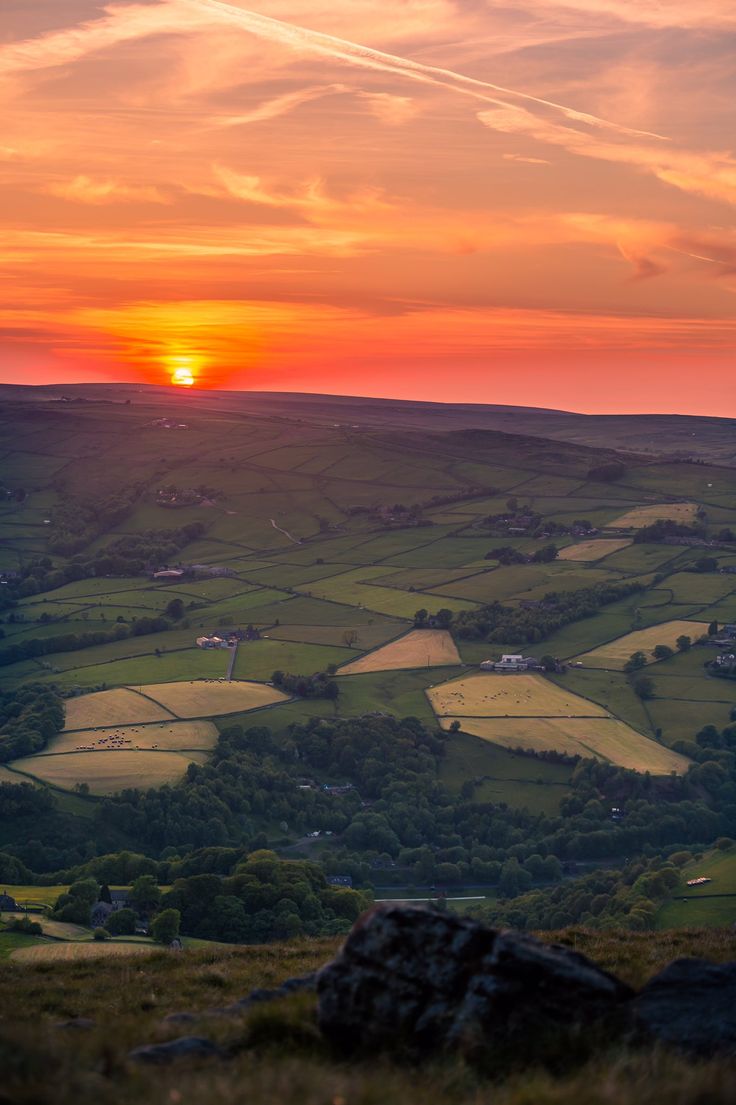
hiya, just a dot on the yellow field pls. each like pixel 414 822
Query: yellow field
pixel 420 648
pixel 645 515
pixel 207 698
pixel 602 738
pixel 616 653
pixel 44 953
pixel 486 695
pixel 169 735
pixel 109 772
pixel 118 707
pixel 594 549
pixel 61 930
pixel 35 895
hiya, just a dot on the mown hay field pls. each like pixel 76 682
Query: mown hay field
pixel 168 735
pixel 421 648
pixel 520 695
pixel 594 549
pixel 208 698
pixel 615 653
pixel 112 771
pixel 641 516
pixel 601 738
pixel 46 953
pixel 116 707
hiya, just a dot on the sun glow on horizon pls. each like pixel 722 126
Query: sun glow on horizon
pixel 182 371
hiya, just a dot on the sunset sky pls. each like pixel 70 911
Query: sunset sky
pixel 460 200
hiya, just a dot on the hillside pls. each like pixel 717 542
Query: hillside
pixel 276 1054
pixel 344 570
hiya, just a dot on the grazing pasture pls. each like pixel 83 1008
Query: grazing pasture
pixel 640 516
pixel 601 738
pixel 615 653
pixel 595 549
pixel 208 698
pixel 109 772
pixel 117 707
pixel 169 735
pixel 420 648
pixel 521 695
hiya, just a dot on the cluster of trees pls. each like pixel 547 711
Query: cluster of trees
pixel 507 554
pixel 131 555
pixel 32 647
pixel 607 473
pixel 76 522
pixel 527 625
pixel 29 717
pixel 264 898
pixel 666 527
pixel 319 685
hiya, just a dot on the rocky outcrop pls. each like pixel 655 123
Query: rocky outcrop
pixel 690 1005
pixel 428 981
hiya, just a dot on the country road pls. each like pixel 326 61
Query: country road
pixel 296 540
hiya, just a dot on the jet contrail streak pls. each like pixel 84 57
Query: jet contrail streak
pixel 341 50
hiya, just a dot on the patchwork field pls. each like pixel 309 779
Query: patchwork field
pixel 167 735
pixel 205 698
pixel 615 653
pixel 117 707
pixel 522 695
pixel 595 549
pixel 602 738
pixel 109 772
pixel 641 516
pixel 421 648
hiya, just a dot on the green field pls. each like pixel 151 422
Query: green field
pixel 712 904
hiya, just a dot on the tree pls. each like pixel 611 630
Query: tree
pixel 121 923
pixel 713 629
pixel 350 637
pixel 165 927
pixel 705 564
pixel 636 661
pixel 549 663
pixel 101 934
pixel 684 642
pixel 644 687
pixel 420 618
pixel 662 652
pixel 145 894
pixel 443 618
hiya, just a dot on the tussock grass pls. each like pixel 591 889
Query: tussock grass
pixel 275 1055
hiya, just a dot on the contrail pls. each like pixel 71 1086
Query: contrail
pixel 341 50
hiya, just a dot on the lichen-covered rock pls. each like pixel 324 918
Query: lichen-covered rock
pixel 427 980
pixel 690 1005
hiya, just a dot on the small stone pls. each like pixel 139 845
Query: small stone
pixel 186 1047
pixel 690 1005
pixel 179 1018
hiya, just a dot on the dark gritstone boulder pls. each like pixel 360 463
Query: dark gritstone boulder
pixel 690 1005
pixel 429 981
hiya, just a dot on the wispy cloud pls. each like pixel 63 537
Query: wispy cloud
pixel 84 189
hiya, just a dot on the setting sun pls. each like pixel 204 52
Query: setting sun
pixel 183 377
pixel 182 371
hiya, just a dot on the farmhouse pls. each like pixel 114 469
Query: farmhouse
pixel 510 662
pixel 212 641
pixel 8 903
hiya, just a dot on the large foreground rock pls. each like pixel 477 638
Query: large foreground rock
pixel 428 981
pixel 691 1005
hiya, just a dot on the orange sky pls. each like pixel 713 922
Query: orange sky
pixel 461 200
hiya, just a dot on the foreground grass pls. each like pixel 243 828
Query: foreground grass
pixel 276 1056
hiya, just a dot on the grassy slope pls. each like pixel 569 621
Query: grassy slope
pixel 279 1057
